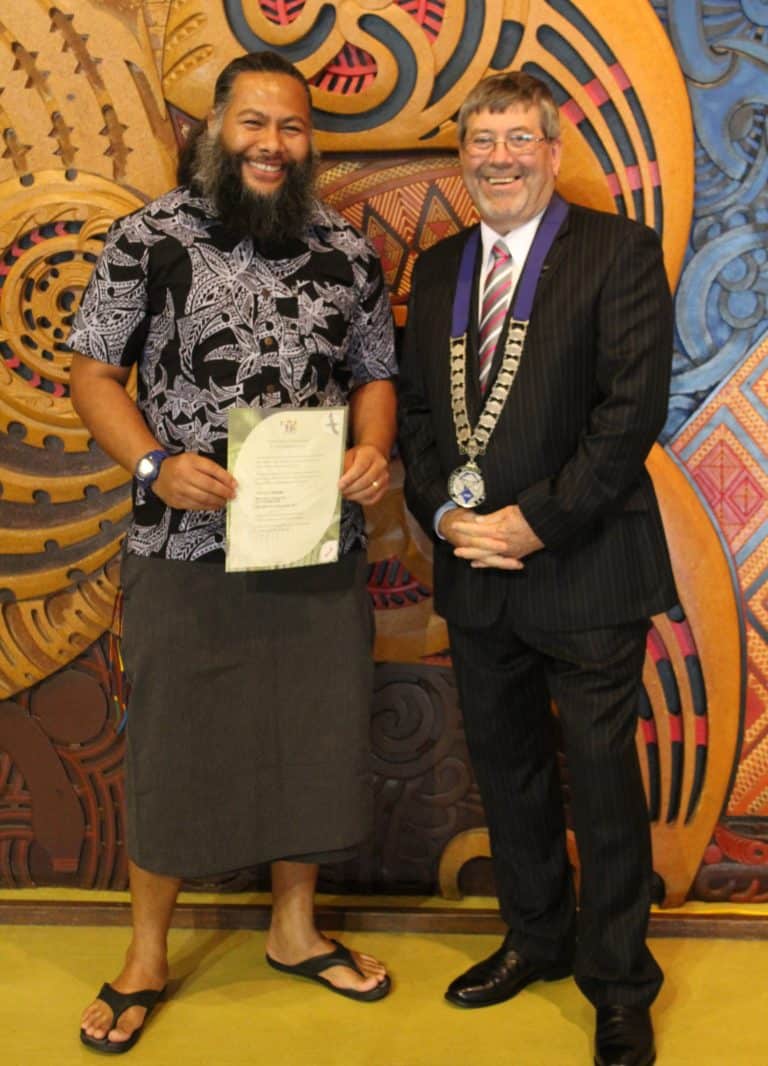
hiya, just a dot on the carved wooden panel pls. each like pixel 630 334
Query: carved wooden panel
pixel 94 95
pixel 86 138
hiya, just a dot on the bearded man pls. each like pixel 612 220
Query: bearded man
pixel 248 719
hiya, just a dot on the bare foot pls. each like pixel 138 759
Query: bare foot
pixel 97 1019
pixel 373 971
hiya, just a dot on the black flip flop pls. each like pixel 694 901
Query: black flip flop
pixel 119 1002
pixel 340 956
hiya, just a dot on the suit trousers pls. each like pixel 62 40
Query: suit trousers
pixel 507 676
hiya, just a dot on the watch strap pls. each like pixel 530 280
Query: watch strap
pixel 155 457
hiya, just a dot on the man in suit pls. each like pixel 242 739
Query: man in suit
pixel 531 393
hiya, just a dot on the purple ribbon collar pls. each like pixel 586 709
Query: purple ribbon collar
pixel 553 218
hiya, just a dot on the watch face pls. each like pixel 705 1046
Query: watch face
pixel 148 467
pixel 145 468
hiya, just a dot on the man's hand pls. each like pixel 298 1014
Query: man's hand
pixel 501 539
pixel 366 474
pixel 191 482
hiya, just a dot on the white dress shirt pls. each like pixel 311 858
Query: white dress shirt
pixel 518 242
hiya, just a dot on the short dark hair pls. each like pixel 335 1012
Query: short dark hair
pixel 500 91
pixel 257 63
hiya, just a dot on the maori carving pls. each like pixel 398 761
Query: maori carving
pixel 723 448
pixel 92 91
pixel 689 733
pixel 403 204
pixel 391 74
pixel 63 506
pixel 424 789
pixel 72 99
pixel 731 883
pixel 61 754
pixel 80 94
pixel 735 864
pixel 722 307
pixel 722 440
pixel 399 583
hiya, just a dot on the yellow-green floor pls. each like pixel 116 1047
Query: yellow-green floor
pixel 228 1008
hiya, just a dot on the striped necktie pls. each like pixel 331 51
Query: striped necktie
pixel 498 283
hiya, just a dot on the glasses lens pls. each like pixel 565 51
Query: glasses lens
pixel 516 143
pixel 480 145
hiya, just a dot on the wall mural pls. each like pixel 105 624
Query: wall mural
pixel 719 410
pixel 96 96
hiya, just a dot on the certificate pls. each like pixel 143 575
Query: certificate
pixel 287 462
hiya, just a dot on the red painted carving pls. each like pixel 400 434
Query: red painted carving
pixel 281 12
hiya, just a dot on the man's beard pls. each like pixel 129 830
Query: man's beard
pixel 275 217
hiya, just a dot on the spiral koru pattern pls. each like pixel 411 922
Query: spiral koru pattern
pixel 63 504
pixel 721 307
pixel 392 74
pixel 425 792
pixel 83 123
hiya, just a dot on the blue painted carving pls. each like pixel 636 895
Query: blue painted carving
pixel 722 47
pixel 510 36
pixel 568 51
pixel 334 122
pixel 722 299
pixel 469 42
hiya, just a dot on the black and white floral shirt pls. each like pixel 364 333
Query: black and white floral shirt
pixel 215 323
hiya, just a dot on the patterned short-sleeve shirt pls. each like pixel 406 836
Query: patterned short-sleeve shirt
pixel 214 323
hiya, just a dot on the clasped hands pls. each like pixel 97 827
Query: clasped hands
pixel 500 539
pixel 192 482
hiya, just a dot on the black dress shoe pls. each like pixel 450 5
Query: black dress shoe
pixel 501 976
pixel 624 1037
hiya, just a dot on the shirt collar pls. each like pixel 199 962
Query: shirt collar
pixel 518 240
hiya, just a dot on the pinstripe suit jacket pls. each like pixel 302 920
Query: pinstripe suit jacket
pixel 589 400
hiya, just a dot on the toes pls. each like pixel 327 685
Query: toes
pixel 127 1024
pixel 96 1021
pixel 93 1011
pixel 97 1032
pixel 346 978
pixel 118 1035
pixel 373 973
pixel 371 966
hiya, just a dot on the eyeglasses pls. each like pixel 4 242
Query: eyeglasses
pixel 515 143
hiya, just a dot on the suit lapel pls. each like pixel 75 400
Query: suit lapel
pixel 553 260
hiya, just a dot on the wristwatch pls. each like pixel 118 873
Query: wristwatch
pixel 148 467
